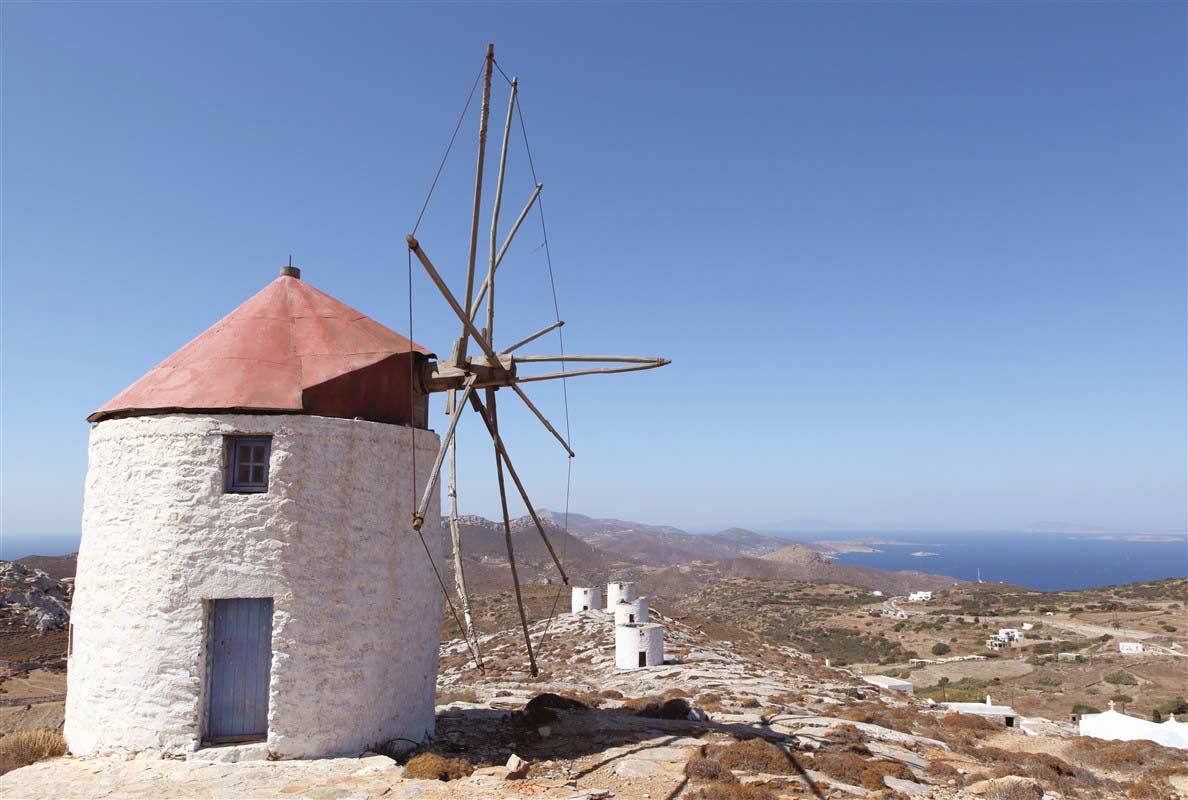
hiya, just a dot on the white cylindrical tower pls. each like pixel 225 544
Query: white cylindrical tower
pixel 254 577
pixel 639 646
pixel 586 598
pixel 631 613
pixel 615 592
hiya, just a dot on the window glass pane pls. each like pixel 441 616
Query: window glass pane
pixel 258 474
pixel 258 454
pixel 243 474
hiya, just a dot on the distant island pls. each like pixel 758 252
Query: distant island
pixel 924 554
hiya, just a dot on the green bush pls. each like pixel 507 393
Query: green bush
pixel 1121 678
pixel 940 649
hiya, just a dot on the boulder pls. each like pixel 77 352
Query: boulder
pixel 516 768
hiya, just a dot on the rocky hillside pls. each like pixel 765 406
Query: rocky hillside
pixel 664 545
pixel 30 598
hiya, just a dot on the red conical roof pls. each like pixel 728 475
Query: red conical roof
pixel 264 355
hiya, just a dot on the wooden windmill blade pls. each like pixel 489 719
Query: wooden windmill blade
pixel 463 375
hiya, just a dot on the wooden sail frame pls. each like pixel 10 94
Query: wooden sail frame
pixel 463 375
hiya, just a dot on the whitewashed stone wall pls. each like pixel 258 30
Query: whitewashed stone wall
pixel 357 611
pixel 585 597
pixel 630 640
pixel 616 592
pixel 632 613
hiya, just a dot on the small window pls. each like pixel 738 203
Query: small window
pixel 247 463
pixel 643 658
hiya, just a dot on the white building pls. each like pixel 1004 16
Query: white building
pixel 639 646
pixel 631 613
pixel 890 684
pixel 616 592
pixel 998 644
pixel 1004 714
pixel 1010 634
pixel 1121 727
pixel 1130 648
pixel 877 593
pixel 586 598
pixel 248 572
pixel 919 597
pixel 1027 626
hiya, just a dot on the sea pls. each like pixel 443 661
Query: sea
pixel 1043 561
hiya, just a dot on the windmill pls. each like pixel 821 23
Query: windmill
pixel 464 374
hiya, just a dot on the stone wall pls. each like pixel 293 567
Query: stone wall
pixel 357 610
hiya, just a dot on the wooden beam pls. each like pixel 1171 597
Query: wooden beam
pixel 474 308
pixel 491 429
pixel 552 376
pixel 456 540
pixel 490 281
pixel 618 359
pixel 460 356
pixel 511 555
pixel 467 323
pixel 532 338
pixel 541 417
pixel 435 473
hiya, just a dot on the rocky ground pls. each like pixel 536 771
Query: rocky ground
pixel 718 720
pixel 31 598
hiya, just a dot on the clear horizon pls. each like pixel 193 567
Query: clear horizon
pixel 916 267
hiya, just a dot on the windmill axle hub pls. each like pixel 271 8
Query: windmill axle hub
pixel 438 376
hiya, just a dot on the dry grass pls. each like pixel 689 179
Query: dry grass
pixel 850 767
pixel 943 772
pixel 731 790
pixel 28 747
pixel 431 766
pixel 1052 772
pixel 712 766
pixel 904 720
pixel 968 722
pixel 1124 756
pixel 1013 791
pixel 750 755
pixel 446 696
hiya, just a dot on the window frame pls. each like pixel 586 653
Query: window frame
pixel 234 443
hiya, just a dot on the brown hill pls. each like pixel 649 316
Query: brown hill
pixel 663 545
pixel 57 567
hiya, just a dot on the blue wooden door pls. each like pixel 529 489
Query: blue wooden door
pixel 240 653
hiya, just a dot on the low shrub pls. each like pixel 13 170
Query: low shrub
pixel 904 720
pixel 431 766
pixel 544 707
pixel 943 771
pixel 23 748
pixel 1118 756
pixel 712 768
pixel 750 755
pixel 852 768
pixel 968 722
pixel 673 708
pixel 1121 678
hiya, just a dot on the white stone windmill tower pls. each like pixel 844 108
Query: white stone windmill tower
pixel 254 543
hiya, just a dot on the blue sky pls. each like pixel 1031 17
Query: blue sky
pixel 916 265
